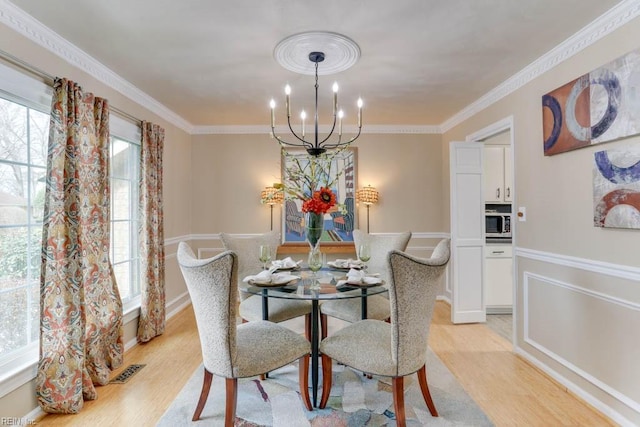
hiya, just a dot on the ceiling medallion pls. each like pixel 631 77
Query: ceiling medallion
pixel 341 53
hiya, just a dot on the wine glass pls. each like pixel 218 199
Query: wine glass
pixel 265 255
pixel 315 264
pixel 364 254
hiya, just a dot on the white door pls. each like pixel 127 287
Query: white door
pixel 467 232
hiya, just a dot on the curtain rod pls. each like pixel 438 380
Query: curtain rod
pixel 49 79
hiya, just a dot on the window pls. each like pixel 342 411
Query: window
pixel 124 173
pixel 23 155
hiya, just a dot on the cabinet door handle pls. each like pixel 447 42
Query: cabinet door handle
pixel 497 252
pixel 497 193
pixel 508 191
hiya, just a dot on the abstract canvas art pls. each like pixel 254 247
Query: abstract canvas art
pixel 616 188
pixel 597 107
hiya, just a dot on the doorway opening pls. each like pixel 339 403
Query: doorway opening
pixel 499 196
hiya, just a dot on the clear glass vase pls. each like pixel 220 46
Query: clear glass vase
pixel 314 225
pixel 315 262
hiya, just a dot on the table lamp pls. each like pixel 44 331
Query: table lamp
pixel 271 196
pixel 367 195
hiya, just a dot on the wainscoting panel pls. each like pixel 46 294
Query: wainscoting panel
pixel 605 319
pixel 579 322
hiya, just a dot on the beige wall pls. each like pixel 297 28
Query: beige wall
pixel 229 171
pixel 176 170
pixel 578 296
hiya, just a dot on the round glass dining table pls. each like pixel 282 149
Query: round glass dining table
pixel 304 289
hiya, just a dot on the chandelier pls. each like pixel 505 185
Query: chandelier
pixel 312 141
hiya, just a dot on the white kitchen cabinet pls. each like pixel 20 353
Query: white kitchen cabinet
pixel 498 174
pixel 499 279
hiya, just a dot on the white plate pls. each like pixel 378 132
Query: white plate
pixel 295 267
pixel 362 284
pixel 276 280
pixel 341 267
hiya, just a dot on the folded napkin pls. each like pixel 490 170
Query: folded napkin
pixel 268 276
pixel 348 263
pixel 359 277
pixel 285 263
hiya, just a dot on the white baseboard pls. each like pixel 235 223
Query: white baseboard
pixel 171 309
pixel 575 389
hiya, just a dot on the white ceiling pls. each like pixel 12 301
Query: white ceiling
pixel 211 62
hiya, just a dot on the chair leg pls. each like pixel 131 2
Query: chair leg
pixel 206 386
pixel 323 326
pixel 303 380
pixel 422 380
pixel 232 399
pixel 326 380
pixel 307 327
pixel 398 401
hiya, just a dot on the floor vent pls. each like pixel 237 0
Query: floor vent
pixel 125 375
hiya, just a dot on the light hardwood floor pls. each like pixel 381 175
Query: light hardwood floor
pixel 509 390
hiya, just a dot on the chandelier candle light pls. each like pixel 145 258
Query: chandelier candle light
pixel 316 146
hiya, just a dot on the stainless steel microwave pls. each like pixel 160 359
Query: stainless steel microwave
pixel 497 224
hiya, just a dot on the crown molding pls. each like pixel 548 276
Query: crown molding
pixel 26 25
pixel 366 129
pixel 611 20
pixel 232 130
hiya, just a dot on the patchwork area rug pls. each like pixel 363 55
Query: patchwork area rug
pixel 355 401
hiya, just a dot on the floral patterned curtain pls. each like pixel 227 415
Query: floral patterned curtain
pixel 152 309
pixel 80 307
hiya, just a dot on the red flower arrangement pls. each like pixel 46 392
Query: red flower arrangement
pixel 321 201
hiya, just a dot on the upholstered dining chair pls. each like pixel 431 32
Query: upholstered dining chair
pixel 248 264
pixel 398 348
pixel 378 305
pixel 229 350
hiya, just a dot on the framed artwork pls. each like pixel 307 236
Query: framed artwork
pixel 616 188
pixel 597 107
pixel 335 169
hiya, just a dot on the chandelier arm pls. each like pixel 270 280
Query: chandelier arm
pixel 283 142
pixel 340 144
pixel 331 131
pixel 305 143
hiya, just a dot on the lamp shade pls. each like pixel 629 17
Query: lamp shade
pixel 367 195
pixel 271 196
